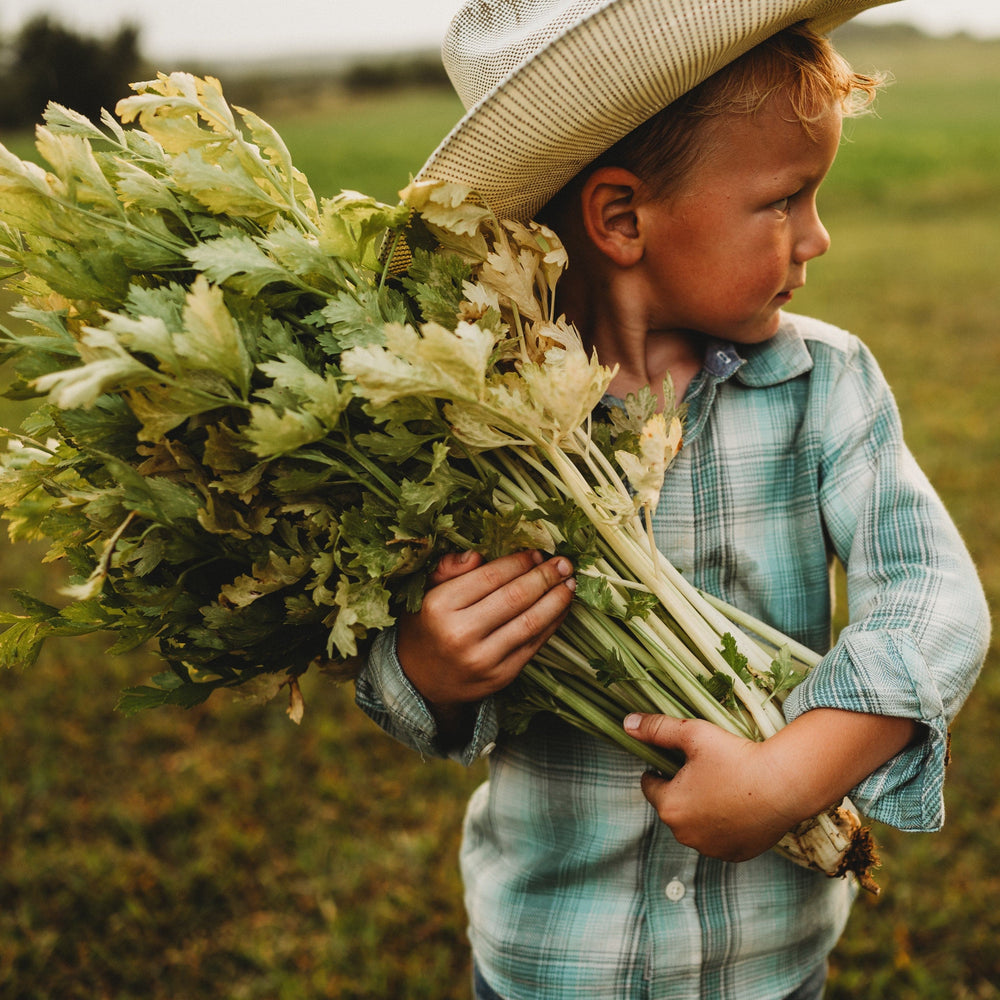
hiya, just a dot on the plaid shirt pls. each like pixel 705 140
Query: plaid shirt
pixel 793 455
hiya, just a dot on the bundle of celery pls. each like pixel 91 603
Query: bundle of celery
pixel 265 416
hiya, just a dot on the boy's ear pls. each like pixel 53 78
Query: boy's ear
pixel 608 204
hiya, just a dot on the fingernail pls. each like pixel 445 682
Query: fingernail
pixel 570 583
pixel 564 566
pixel 464 557
pixel 632 721
pixel 537 558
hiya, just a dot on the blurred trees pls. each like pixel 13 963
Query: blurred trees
pixel 46 61
pixel 396 71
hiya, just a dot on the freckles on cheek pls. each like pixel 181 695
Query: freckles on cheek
pixel 768 271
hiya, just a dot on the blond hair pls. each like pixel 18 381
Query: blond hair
pixel 796 62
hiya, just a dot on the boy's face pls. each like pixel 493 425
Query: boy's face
pixel 729 246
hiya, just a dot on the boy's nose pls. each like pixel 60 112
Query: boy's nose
pixel 814 240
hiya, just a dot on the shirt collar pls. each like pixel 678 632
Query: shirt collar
pixel 783 357
pixel 721 360
pixel 777 360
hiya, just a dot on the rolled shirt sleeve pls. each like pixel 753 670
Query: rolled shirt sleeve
pixel 386 695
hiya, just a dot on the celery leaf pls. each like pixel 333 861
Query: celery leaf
pixel 732 655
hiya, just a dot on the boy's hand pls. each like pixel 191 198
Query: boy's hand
pixel 479 625
pixel 722 802
pixel 734 798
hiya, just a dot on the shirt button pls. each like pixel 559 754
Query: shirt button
pixel 675 890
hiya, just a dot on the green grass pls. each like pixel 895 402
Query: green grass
pixel 370 144
pixel 225 853
pixel 912 206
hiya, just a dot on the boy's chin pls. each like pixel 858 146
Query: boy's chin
pixel 757 333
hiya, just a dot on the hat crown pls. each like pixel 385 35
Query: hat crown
pixel 548 85
pixel 489 39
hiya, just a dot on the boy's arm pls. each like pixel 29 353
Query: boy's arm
pixel 734 799
pixel 919 625
pixel 429 682
pixel 872 718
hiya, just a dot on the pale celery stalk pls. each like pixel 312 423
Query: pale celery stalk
pixel 655 666
pixel 576 705
pixel 807 657
pixel 639 560
pixel 666 645
pixel 636 555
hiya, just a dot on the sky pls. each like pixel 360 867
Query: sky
pixel 253 29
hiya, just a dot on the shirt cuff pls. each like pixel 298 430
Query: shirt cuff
pixel 883 672
pixel 384 692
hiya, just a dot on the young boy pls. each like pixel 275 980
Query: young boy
pixel 688 231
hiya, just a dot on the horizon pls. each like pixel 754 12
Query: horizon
pixel 228 30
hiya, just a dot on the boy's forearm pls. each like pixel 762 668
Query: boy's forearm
pixel 820 756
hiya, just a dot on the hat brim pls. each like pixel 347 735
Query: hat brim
pixel 599 79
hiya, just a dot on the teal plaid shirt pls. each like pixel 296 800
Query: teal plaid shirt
pixel 793 456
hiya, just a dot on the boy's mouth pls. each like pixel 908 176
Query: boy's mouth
pixel 786 295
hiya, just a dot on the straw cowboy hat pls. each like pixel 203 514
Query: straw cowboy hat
pixel 548 85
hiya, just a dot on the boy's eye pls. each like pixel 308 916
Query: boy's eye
pixel 781 205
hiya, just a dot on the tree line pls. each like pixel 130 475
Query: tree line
pixel 46 61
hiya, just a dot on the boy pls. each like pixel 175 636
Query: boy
pixel 688 231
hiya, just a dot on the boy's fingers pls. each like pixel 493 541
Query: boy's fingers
pixel 511 591
pixel 519 594
pixel 661 730
pixel 528 610
pixel 653 785
pixel 488 578
pixel 454 564
pixel 527 633
pixel 664 732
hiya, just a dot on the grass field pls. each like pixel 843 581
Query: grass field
pixel 224 853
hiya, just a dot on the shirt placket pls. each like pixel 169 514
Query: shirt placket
pixel 674 938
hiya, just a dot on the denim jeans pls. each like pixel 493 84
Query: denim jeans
pixel 811 989
pixel 481 990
